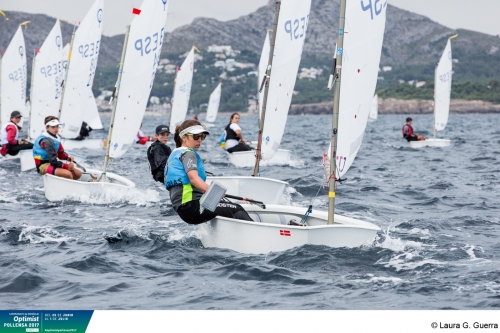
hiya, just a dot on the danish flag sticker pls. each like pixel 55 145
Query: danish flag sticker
pixel 285 233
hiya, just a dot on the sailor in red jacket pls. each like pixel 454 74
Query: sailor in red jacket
pixel 408 133
pixel 9 136
pixel 141 138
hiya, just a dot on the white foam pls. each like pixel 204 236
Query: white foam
pixel 133 196
pixel 37 235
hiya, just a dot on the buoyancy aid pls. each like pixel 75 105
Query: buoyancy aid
pixel 408 129
pixel 3 135
pixel 230 134
pixel 40 154
pixel 176 175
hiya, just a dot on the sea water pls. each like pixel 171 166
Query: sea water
pixel 438 208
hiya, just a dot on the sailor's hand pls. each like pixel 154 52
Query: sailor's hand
pixel 71 158
pixel 71 167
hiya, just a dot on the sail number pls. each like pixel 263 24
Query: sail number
pixel 20 74
pixel 53 69
pixel 297 28
pixel 89 50
pixel 150 43
pixel 446 77
pixel 374 6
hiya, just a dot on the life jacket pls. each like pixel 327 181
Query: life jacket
pixel 3 135
pixel 410 131
pixel 230 134
pixel 40 154
pixel 175 174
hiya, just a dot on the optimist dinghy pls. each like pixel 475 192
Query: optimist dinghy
pixel 135 78
pixel 278 228
pixel 274 102
pixel 442 96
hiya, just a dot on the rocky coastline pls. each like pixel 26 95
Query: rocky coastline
pixel 411 106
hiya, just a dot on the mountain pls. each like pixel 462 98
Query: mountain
pixel 39 27
pixel 410 39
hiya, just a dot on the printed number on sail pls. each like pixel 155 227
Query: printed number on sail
pixel 373 6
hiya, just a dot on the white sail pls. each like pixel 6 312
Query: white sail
pixel 13 79
pixel 213 104
pixel 374 108
pixel 91 115
pixel 364 34
pixel 81 71
pixel 48 73
pixel 139 68
pixel 264 59
pixel 182 91
pixel 442 86
pixel 290 36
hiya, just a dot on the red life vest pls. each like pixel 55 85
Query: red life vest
pixel 410 131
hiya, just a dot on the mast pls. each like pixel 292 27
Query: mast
pixel 115 103
pixel 435 85
pixel 70 53
pixel 258 155
pixel 31 95
pixel 335 119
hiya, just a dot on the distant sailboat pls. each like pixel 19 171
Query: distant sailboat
pixel 213 106
pixel 133 87
pixel 374 110
pixel 442 96
pixel 13 80
pixel 182 91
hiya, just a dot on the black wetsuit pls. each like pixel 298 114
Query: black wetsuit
pixel 84 132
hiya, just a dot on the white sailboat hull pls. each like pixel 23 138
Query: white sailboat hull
pixel 262 189
pixel 209 125
pixel 27 160
pixel 87 143
pixel 25 157
pixel 272 236
pixel 246 159
pixel 430 143
pixel 58 188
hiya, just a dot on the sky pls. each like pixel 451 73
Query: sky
pixel 477 15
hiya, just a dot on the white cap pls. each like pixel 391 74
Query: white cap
pixel 53 122
pixel 197 129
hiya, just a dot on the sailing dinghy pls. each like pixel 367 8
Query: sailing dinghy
pixel 271 230
pixel 213 106
pixel 442 96
pixel 13 81
pixel 140 57
pixel 374 110
pixel 80 71
pixel 276 156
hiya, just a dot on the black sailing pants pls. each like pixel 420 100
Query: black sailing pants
pixel 190 212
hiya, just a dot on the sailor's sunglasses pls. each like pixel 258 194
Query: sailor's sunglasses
pixel 196 137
